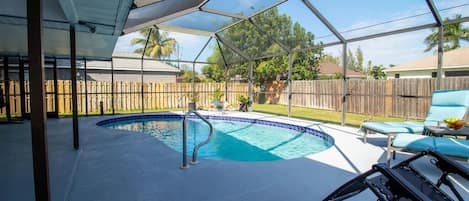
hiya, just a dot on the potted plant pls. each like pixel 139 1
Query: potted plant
pixel 216 99
pixel 193 98
pixel 243 103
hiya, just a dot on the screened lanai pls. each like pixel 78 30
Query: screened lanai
pixel 219 20
pixel 57 41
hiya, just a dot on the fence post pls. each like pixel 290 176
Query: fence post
pixel 344 83
pixel 101 108
pixel 289 81
pixel 388 98
pixel 6 84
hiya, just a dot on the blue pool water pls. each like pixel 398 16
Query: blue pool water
pixel 232 140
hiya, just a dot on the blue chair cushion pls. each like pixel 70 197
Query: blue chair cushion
pixel 394 127
pixel 413 142
pixel 439 113
pixel 452 147
pixel 450 98
pixel 446 146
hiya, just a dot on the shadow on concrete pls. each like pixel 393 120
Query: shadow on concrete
pixel 119 165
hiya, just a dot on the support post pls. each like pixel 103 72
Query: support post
pixel 6 84
pixel 22 89
pixel 141 70
pixel 86 88
pixel 56 88
pixel 250 84
pixel 73 72
pixel 112 88
pixel 38 109
pixel 440 57
pixel 226 83
pixel 344 83
pixel 192 80
pixel 141 85
pixel 225 74
pixel 289 82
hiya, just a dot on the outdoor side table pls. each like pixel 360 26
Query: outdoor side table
pixel 441 131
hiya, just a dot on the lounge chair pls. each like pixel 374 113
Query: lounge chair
pixel 404 182
pixel 452 147
pixel 445 103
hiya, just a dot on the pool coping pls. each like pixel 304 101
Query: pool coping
pixel 320 134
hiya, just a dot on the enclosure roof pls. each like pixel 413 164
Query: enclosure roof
pixel 331 22
pixel 458 58
pixel 105 18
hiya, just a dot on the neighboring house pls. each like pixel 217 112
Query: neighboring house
pixel 127 67
pixel 455 63
pixel 332 69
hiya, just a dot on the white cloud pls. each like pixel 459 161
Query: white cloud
pixel 190 45
pixel 395 49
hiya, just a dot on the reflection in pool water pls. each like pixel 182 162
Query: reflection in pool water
pixel 232 140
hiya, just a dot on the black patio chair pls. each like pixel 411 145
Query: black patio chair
pixel 403 182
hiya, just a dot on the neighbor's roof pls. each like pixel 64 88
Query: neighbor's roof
pixel 132 62
pixel 332 69
pixel 458 58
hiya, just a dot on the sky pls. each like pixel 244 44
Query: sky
pixel 348 17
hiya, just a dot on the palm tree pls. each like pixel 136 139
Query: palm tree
pixel 452 35
pixel 377 72
pixel 159 44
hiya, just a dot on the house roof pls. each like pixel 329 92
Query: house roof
pixel 458 58
pixel 132 62
pixel 332 69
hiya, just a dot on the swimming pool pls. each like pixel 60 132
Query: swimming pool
pixel 239 139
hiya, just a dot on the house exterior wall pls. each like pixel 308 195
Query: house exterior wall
pixel 101 75
pixel 421 73
pixel 132 76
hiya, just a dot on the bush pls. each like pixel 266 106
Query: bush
pixel 217 95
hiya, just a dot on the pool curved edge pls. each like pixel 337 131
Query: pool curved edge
pixel 326 137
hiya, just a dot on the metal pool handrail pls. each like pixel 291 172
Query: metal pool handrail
pixel 184 138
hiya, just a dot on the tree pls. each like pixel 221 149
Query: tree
pixel 305 65
pixel 245 37
pixel 377 72
pixel 159 44
pixel 452 35
pixel 186 74
pixel 369 66
pixel 214 73
pixel 359 54
pixel 351 62
pixel 330 59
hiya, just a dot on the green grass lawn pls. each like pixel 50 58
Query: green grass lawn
pixel 328 116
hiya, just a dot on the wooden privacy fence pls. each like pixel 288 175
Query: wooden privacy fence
pixel 398 97
pixel 127 95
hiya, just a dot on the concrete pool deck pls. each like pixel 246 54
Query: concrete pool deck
pixel 121 165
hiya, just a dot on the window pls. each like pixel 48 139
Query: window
pixel 396 75
pixel 456 73
pixel 434 74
